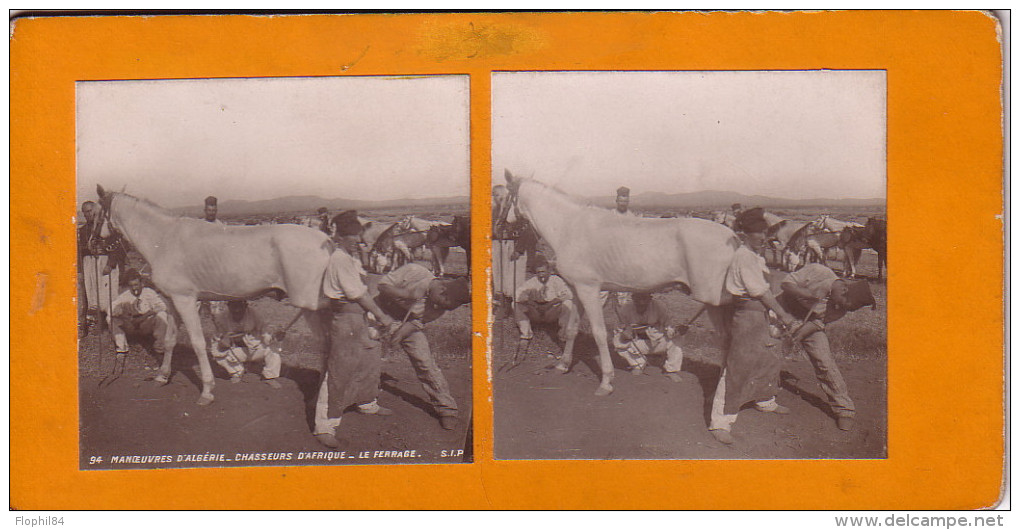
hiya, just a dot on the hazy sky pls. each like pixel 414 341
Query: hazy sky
pixel 177 141
pixel 782 134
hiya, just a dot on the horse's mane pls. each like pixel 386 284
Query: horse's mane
pixel 146 202
pixel 566 196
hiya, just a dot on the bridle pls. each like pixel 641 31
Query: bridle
pixel 505 205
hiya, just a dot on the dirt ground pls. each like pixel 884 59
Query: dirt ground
pixel 251 423
pixel 543 414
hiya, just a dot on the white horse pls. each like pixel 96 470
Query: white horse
pixel 597 250
pixel 194 260
pixel 834 225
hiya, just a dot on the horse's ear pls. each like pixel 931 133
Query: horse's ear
pixel 100 191
pixel 508 176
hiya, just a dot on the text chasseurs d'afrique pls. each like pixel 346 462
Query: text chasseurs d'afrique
pixel 299 456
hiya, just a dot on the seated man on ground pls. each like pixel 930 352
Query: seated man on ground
pixel 141 310
pixel 643 329
pixel 545 298
pixel 241 336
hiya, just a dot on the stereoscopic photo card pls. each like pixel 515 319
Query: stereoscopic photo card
pixel 228 188
pixel 557 260
pixel 612 188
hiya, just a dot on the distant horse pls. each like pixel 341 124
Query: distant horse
pixel 417 224
pixel 834 225
pixel 854 239
pixel 194 260
pixel 597 250
pixel 394 247
pixel 777 238
pixel 441 238
pixel 808 243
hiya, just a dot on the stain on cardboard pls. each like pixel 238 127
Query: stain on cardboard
pixel 451 42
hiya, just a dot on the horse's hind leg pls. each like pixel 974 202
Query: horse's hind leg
pixel 569 327
pixel 187 308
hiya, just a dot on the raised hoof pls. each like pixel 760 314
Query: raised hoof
pixel 562 367
pixel 205 400
pixel 604 390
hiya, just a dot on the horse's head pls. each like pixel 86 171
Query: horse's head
pixel 506 200
pixel 406 223
pixel 106 207
pixel 513 183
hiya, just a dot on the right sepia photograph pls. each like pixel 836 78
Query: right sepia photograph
pixel 689 265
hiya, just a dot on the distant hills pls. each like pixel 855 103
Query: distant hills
pixel 699 200
pixel 711 200
pixel 309 204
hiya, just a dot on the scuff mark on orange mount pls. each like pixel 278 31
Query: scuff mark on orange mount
pixel 39 299
pixel 470 41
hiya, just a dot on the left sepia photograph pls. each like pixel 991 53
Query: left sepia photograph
pixel 273 272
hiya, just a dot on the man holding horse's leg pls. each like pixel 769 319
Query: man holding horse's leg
pixel 414 295
pixel 354 360
pixel 817 297
pixel 241 335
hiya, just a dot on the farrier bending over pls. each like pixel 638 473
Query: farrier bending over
pixel 414 295
pixel 750 368
pixel 818 297
pixel 354 360
pixel 644 329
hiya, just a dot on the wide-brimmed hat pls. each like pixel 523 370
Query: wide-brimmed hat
pixel 752 220
pixel 347 223
pixel 858 295
pixel 457 292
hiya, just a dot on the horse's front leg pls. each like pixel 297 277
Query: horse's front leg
pixel 187 307
pixel 169 341
pixel 588 295
pixel 572 320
